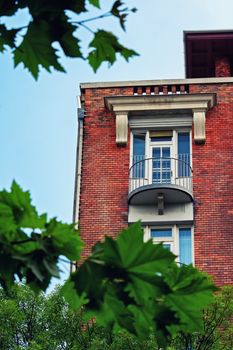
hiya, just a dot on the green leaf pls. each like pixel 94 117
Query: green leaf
pixel 62 31
pixel 90 280
pixel 7 37
pixel 8 8
pixel 121 13
pixel 138 286
pixel 36 49
pixel 7 222
pixel 25 215
pixel 69 292
pixel 29 245
pixel 95 3
pixel 51 267
pixel 111 273
pixel 106 46
pixel 143 319
pixel 121 315
pixel 48 10
pixel 65 239
pixel 191 292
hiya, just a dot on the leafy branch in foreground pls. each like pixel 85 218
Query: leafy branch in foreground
pixel 55 22
pixel 30 244
pixel 136 286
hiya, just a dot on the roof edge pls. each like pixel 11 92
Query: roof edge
pixel 140 83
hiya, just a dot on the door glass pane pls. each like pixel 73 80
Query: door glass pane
pixel 156 158
pixel 166 177
pixel 185 246
pixel 139 156
pixel 161 165
pixel 156 152
pixel 156 165
pixel 166 152
pixel 156 177
pixel 184 154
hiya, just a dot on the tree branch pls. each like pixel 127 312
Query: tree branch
pixel 106 14
pixel 23 241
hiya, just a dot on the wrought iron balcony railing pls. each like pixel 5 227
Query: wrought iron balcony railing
pixel 161 171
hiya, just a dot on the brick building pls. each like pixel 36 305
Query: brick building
pixel 161 151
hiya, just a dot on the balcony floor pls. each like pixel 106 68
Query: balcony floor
pixel 148 194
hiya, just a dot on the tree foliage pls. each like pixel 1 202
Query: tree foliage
pixel 39 322
pixel 217 330
pixel 30 244
pixel 60 22
pixel 143 291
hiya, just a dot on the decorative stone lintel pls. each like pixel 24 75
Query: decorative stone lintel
pixel 198 104
pixel 199 126
pixel 121 129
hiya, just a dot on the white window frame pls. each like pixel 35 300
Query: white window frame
pixel 174 240
pixel 173 144
pixel 148 143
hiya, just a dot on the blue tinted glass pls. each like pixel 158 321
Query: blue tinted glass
pixel 166 152
pixel 185 246
pixel 161 232
pixel 166 177
pixel 166 164
pixel 156 164
pixel 183 143
pixel 139 156
pixel 156 177
pixel 139 145
pixel 184 154
pixel 156 152
pixel 161 138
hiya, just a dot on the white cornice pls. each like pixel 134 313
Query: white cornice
pixel 160 102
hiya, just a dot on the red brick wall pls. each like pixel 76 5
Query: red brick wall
pixel 104 186
pixel 105 168
pixel 213 188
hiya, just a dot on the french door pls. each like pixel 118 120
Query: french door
pixel 161 166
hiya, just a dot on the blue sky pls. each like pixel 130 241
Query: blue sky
pixel 38 119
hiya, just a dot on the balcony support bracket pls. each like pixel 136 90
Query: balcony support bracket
pixel 121 129
pixel 199 126
pixel 160 204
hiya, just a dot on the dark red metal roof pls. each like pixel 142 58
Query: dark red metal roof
pixel 201 50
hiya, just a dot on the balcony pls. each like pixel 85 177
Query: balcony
pixel 168 177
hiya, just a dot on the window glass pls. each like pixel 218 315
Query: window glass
pixel 161 138
pixel 161 232
pixel 139 145
pixel 139 156
pixel 183 154
pixel 185 246
pixel 183 143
